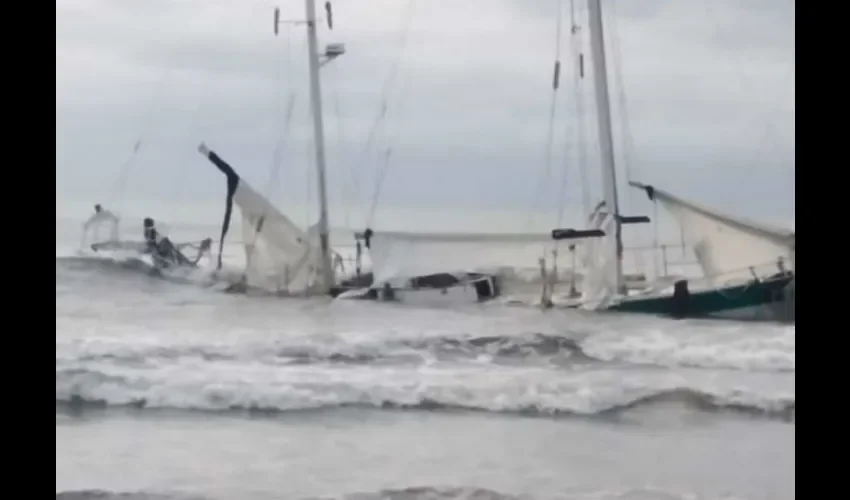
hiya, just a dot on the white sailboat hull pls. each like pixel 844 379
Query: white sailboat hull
pixel 462 293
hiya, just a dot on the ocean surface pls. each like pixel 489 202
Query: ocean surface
pixel 173 390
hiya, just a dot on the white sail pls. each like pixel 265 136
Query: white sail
pixel 398 256
pixel 279 256
pixel 599 286
pixel 727 247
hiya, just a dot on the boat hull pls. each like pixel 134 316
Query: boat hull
pixel 768 300
pixel 468 291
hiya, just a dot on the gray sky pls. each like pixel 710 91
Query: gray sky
pixel 709 86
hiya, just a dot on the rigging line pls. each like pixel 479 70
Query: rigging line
pixel 628 150
pixel 179 182
pixel 288 46
pixel 282 65
pixel 311 165
pixel 147 124
pixel 547 164
pixel 550 133
pixel 580 147
pixel 655 243
pixel 403 42
pixel 278 121
pixel 340 148
pixel 401 99
pixel 768 136
pixel 354 191
pixel 274 173
pixel 386 89
pixel 578 67
pixel 194 124
pixel 382 111
pixel 379 183
pixel 280 146
pixel 628 147
pixel 120 185
pixel 747 84
pixel 292 46
pixel 284 124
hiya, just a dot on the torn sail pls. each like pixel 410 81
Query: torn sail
pixel 279 256
pixel 726 247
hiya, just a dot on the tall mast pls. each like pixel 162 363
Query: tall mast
pixel 606 138
pixel 317 60
pixel 319 144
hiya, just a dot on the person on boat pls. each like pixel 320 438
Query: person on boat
pixel 783 271
pixel 100 215
pixel 338 263
pixel 164 252
pixel 389 293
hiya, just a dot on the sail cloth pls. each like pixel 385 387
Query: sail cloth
pixel 726 247
pixel 279 256
pixel 599 287
pixel 398 256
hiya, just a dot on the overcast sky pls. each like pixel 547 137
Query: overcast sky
pixel 709 87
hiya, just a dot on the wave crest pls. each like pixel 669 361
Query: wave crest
pixel 408 493
pixel 547 348
pixel 82 389
pixel 114 495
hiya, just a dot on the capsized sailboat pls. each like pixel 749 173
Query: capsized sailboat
pixel 156 251
pixel 728 248
pixel 417 266
pixel 748 267
pixel 453 268
pixel 725 245
pixel 284 259
pixel 762 290
pixel 280 257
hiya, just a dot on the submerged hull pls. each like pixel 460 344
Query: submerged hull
pixel 768 300
pixel 467 291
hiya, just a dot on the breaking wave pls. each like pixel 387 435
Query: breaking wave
pixel 81 389
pixel 82 263
pixel 737 348
pixel 531 374
pixel 530 347
pixel 199 360
pixel 411 493
pixel 473 493
pixel 114 495
pixel 429 493
pixel 774 354
pixel 128 265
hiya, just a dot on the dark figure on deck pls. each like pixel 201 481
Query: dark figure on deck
pixel 150 233
pixel 164 253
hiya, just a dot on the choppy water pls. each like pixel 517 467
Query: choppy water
pixel 169 390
